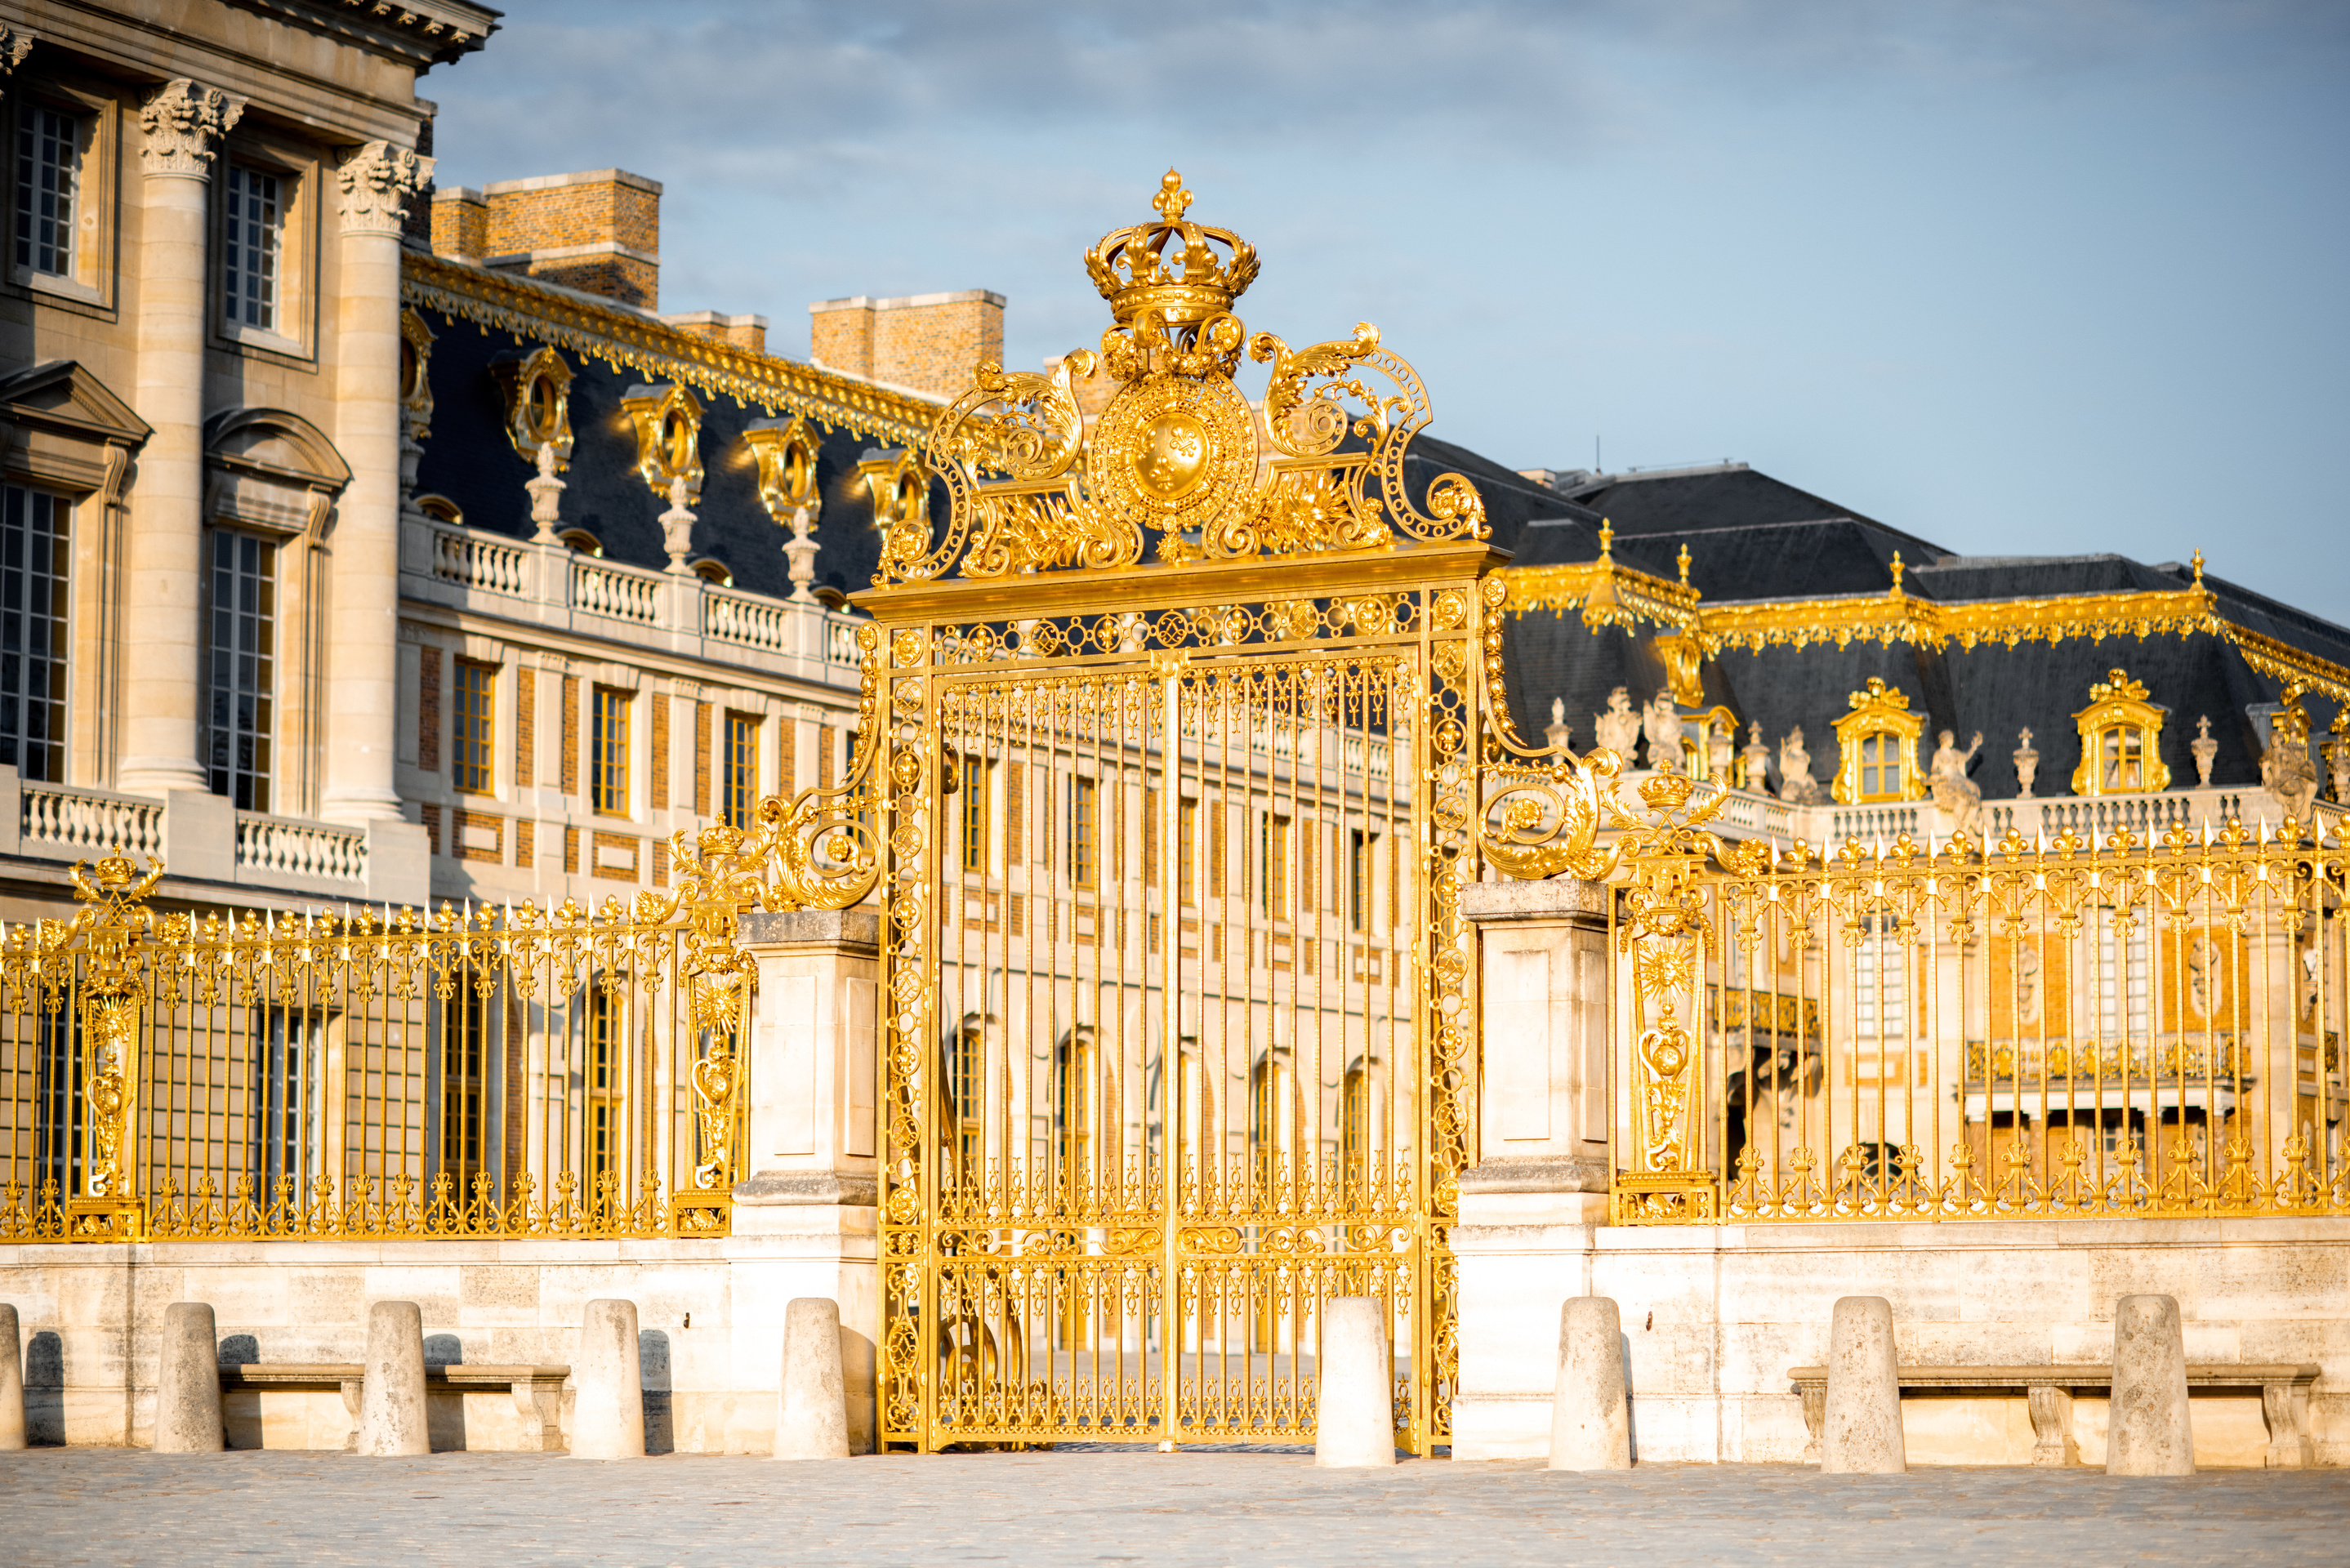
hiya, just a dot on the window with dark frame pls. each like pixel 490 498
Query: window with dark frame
pixel 34 551
pixel 252 221
pixel 48 179
pixel 244 674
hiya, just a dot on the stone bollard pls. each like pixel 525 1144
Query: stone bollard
pixel 12 1380
pixel 607 1420
pixel 1354 1420
pixel 812 1411
pixel 392 1400
pixel 1590 1425
pixel 187 1384
pixel 2148 1433
pixel 1862 1435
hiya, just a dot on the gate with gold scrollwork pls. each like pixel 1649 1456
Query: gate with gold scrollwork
pixel 1176 778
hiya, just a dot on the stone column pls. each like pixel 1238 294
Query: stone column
pixel 362 658
pixel 1529 1205
pixel 803 1218
pixel 163 584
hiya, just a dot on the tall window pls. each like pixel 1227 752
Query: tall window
pixel 1273 858
pixel 972 787
pixel 288 1105
pixel 603 1083
pixel 608 770
pixel 2121 752
pixel 740 781
pixel 464 1084
pixel 48 174
pixel 252 220
pixel 243 666
pixel 1085 848
pixel 32 555
pixel 1187 852
pixel 476 687
pixel 1358 878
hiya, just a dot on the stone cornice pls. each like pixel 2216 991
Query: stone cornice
pixel 424 32
pixel 626 340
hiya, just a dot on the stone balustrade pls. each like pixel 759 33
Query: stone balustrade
pixel 554 586
pixel 204 837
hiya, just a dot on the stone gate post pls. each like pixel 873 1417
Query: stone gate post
pixel 1529 1205
pixel 803 1216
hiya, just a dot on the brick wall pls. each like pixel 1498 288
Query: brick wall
pixel 461 224
pixel 598 232
pixel 932 343
pixel 525 772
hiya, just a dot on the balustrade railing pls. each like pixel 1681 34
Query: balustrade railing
pixel 59 820
pixel 288 847
pixel 740 618
pixel 460 556
pixel 620 592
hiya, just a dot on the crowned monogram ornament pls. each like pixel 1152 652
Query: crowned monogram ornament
pixel 1178 464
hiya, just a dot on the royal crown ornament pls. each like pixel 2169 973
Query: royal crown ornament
pixel 1177 463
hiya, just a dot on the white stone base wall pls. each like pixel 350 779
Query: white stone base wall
pixel 711 1318
pixel 1714 1317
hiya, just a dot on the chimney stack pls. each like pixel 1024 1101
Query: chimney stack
pixel 598 232
pixel 745 331
pixel 932 343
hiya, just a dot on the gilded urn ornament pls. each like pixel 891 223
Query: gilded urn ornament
pixel 1178 465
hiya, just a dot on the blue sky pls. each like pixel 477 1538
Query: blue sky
pixel 2022 278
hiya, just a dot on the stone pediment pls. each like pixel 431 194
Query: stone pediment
pixel 270 470
pixel 64 395
pixel 67 428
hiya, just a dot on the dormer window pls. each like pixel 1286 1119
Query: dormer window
pixel 1879 746
pixel 2121 740
pixel 712 571
pixel 584 542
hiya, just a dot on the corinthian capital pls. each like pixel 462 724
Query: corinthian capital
pixel 376 181
pixel 184 123
pixel 15 43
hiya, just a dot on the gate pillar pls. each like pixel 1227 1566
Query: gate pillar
pixel 803 1218
pixel 1528 1206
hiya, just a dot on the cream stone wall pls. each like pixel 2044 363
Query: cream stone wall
pixel 710 1316
pixel 1714 1317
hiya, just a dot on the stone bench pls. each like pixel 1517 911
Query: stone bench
pixel 2048 1395
pixel 537 1390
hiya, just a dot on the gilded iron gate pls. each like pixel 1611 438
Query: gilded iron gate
pixel 1180 712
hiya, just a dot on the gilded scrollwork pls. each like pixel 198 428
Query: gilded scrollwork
pixel 1177 453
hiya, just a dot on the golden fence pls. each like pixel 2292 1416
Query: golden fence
pixel 516 1072
pixel 1971 1029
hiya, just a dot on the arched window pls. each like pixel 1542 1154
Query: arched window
pixel 1879 746
pixel 2121 740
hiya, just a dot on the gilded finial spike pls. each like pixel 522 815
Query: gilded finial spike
pixel 1172 200
pixel 2199 568
pixel 1684 565
pixel 1898 570
pixel 1606 538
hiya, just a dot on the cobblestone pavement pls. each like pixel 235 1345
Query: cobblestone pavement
pixel 1267 1510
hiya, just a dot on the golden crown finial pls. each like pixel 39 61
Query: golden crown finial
pixel 1184 272
pixel 2199 568
pixel 1684 565
pixel 1172 200
pixel 1898 570
pixel 1606 539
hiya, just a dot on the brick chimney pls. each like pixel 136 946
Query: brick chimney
pixel 747 331
pixel 598 232
pixel 932 343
